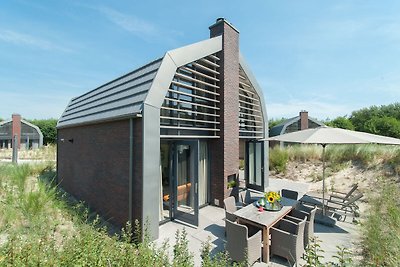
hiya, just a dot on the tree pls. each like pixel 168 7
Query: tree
pixel 383 120
pixel 387 126
pixel 341 122
pixel 48 128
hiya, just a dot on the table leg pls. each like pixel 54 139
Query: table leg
pixel 265 254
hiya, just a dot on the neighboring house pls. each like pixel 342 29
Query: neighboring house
pixel 163 140
pixel 28 135
pixel 298 123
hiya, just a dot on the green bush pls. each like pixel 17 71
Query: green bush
pixel 278 159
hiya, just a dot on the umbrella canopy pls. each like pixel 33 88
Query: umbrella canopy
pixel 327 135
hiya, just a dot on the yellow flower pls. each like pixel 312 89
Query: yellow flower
pixel 272 196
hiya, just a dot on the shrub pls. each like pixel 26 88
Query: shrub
pixel 278 159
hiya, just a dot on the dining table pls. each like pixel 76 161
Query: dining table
pixel 264 220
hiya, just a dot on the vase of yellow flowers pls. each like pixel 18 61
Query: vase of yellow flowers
pixel 273 201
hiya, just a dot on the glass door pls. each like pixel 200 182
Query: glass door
pixel 186 201
pixel 255 165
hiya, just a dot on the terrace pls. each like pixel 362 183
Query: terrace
pixel 212 229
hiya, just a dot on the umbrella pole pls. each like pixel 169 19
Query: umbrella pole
pixel 323 179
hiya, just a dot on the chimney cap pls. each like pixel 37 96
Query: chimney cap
pixel 222 20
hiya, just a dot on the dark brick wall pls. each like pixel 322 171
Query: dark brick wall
pixel 93 166
pixel 16 128
pixel 224 152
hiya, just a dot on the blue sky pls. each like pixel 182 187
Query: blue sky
pixel 326 57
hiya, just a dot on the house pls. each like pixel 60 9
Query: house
pixel 162 141
pixel 298 123
pixel 28 135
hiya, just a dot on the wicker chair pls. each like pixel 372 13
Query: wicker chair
pixel 239 244
pixel 230 208
pixel 289 194
pixel 300 213
pixel 249 196
pixel 287 240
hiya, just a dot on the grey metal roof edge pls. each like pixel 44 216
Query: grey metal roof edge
pixel 118 78
pixel 117 118
pixel 316 121
pixel 257 87
pixel 33 126
pixel 285 122
pixel 62 114
pixel 288 122
pixel 174 59
pixel 5 121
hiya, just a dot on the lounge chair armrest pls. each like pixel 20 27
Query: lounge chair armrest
pixel 256 238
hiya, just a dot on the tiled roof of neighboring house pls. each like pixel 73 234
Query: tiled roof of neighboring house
pixel 280 128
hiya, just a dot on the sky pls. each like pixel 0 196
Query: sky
pixel 327 57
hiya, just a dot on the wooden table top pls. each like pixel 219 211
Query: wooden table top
pixel 265 218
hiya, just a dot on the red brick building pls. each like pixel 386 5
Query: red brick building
pixel 162 141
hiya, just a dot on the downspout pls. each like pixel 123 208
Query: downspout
pixel 130 169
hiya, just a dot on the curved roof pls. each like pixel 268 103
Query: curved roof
pixel 124 97
pixel 280 128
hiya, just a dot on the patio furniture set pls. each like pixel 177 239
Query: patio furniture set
pixel 253 234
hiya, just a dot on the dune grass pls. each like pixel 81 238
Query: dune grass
pixel 337 156
pixel 39 226
pixel 381 229
pixel 46 153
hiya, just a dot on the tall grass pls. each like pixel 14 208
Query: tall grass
pixel 336 156
pixel 47 153
pixel 278 159
pixel 381 230
pixel 41 227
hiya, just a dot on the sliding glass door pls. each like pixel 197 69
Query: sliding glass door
pixel 255 165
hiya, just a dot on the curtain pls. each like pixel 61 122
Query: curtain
pixel 203 173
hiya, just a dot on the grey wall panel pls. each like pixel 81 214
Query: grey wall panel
pixel 120 112
pixel 186 54
pixel 151 169
pixel 161 82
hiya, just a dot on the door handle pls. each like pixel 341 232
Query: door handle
pixel 195 188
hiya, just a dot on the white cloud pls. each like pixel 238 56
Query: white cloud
pixel 128 22
pixel 29 40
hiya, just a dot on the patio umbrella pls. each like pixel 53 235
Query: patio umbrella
pixel 327 135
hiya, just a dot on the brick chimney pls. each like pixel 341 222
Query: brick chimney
pixel 225 150
pixel 303 120
pixel 16 128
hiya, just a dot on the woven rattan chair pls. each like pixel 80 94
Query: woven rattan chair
pixel 239 244
pixel 287 240
pixel 300 213
pixel 230 208
pixel 289 194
